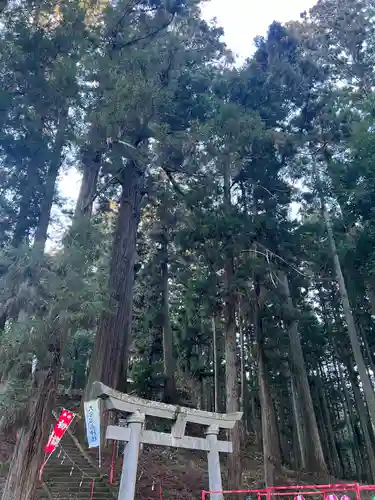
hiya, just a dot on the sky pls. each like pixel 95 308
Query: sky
pixel 242 21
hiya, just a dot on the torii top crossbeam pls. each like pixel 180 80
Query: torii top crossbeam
pixel 116 400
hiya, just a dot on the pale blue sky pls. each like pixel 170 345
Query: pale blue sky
pixel 242 20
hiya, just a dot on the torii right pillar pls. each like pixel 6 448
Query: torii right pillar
pixel 213 458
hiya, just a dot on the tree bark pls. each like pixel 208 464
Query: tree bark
pixel 168 355
pixel 49 188
pixel 231 379
pixel 109 360
pixel 22 227
pixel 299 422
pixel 270 435
pixel 350 421
pixel 314 452
pixel 362 412
pixel 353 335
pixel 91 168
pixel 216 365
pixel 336 466
pixel 28 454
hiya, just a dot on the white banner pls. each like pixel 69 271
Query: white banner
pixel 92 419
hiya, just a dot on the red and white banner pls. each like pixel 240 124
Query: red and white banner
pixel 62 424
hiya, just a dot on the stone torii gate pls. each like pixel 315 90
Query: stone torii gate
pixel 134 433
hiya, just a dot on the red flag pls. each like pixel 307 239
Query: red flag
pixel 62 424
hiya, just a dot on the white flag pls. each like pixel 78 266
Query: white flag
pixel 92 419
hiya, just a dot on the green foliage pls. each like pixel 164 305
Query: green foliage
pixel 146 90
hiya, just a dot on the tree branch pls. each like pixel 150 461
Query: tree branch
pixel 134 41
pixel 175 185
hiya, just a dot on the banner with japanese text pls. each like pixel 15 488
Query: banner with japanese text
pixel 59 430
pixel 92 420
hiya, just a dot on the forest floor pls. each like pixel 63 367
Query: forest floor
pixel 183 474
pixel 180 474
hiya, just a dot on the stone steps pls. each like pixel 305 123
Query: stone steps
pixel 69 474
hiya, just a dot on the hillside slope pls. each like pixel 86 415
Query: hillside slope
pixel 179 473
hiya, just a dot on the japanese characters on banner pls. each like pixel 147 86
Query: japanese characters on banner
pixel 92 419
pixel 59 430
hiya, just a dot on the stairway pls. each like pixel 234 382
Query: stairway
pixel 69 475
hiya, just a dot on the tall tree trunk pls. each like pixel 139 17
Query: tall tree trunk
pixel 350 420
pixel 22 479
pixel 254 424
pixel 109 359
pixel 336 466
pixel 168 355
pixel 22 227
pixel 299 421
pixel 91 168
pixel 362 412
pixel 314 452
pixel 231 379
pixel 283 426
pixel 49 188
pixel 353 335
pixel 369 354
pixel 321 422
pixel 216 365
pixel 21 230
pixel 270 435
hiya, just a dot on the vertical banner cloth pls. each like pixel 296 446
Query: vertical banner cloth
pixel 59 430
pixel 92 419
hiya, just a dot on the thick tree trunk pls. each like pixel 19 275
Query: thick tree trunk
pixel 270 435
pixel 350 421
pixel 335 466
pixel 362 412
pixel 41 233
pixel 370 356
pixel 312 444
pixel 216 364
pixel 321 422
pixel 231 379
pixel 91 168
pixel 353 335
pixel 28 454
pixel 168 355
pixel 299 422
pixel 22 228
pixel 23 223
pixel 254 423
pixel 242 363
pixel 109 359
pixel 283 426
